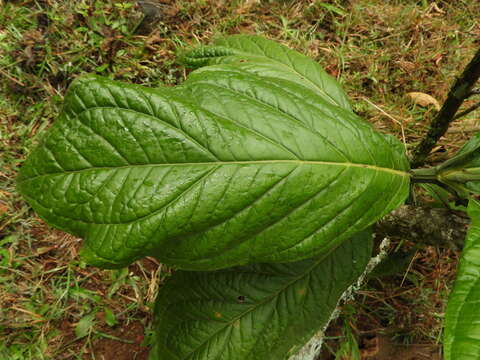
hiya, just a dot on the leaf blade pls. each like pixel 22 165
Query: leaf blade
pixel 462 319
pixel 288 63
pixel 202 181
pixel 255 312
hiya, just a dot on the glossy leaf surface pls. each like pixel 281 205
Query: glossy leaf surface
pixel 462 317
pixel 462 171
pixel 270 59
pixel 255 312
pixel 233 167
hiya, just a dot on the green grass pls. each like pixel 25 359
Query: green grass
pixel 52 306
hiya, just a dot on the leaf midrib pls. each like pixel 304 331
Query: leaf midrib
pixel 226 163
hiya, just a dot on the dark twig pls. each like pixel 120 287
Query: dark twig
pixel 467 111
pixel 461 90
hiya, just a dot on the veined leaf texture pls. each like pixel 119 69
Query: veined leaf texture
pixel 254 312
pixel 256 157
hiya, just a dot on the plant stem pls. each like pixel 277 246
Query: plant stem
pixel 461 90
pixel 425 225
pixel 424 175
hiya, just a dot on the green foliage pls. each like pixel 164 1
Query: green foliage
pixel 256 312
pixel 256 158
pixel 461 173
pixel 377 49
pixel 248 161
pixel 349 347
pixel 271 60
pixel 85 325
pixel 462 318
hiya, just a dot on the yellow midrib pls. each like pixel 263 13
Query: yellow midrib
pixel 256 162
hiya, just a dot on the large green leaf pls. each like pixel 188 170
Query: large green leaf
pixel 256 312
pixel 270 59
pixel 462 318
pixel 233 167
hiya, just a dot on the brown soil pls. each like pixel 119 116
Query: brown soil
pixel 109 349
pixel 381 347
